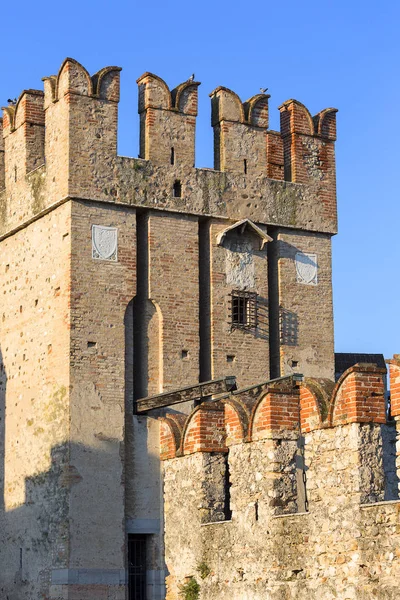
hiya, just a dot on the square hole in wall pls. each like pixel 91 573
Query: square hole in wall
pixel 230 358
pixel 185 353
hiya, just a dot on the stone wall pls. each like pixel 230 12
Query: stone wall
pixel 346 544
pixel 301 285
pixel 35 478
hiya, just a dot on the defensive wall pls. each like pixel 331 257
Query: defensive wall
pixel 309 472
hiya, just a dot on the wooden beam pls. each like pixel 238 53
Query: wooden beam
pixel 186 394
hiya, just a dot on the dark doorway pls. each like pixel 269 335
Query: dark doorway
pixel 137 566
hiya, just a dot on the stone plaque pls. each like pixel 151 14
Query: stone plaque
pixel 240 265
pixel 104 242
pixel 306 268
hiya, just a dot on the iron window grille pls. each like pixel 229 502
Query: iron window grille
pixel 137 567
pixel 243 310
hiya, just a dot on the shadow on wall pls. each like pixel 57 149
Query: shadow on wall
pixel 288 327
pixel 142 474
pixel 262 330
pixel 392 480
pixel 34 534
pixel 143 348
pixel 34 537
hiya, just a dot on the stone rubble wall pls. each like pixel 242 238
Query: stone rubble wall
pixel 347 543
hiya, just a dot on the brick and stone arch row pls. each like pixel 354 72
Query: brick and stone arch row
pixel 155 99
pixel 277 408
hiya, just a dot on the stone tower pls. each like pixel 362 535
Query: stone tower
pixel 127 278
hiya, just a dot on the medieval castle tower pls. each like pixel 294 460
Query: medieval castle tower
pixel 168 414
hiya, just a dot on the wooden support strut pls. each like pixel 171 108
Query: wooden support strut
pixel 186 394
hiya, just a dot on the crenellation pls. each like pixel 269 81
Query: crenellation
pixel 82 115
pixel 359 396
pixel 256 110
pixel 239 132
pixel 309 154
pixel 80 118
pixel 23 133
pixel 167 121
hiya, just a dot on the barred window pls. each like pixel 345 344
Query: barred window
pixel 243 309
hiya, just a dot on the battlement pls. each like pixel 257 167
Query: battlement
pixel 167 120
pixel 241 141
pixel 73 78
pixel 277 409
pixel 300 488
pixel 23 134
pixel 70 130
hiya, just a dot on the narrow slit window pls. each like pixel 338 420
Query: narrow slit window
pixel 177 189
pixel 245 166
pixel 172 156
pixel 227 489
pixel 243 310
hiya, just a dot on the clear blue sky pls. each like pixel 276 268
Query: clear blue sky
pixel 340 54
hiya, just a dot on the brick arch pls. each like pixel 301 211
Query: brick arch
pixel 314 403
pixel 300 121
pixel 230 106
pixel 325 123
pixel 236 422
pixel 275 410
pixel 106 83
pixel 158 93
pixel 73 77
pixel 358 396
pixel 257 110
pixel 170 436
pixel 184 97
pixel 204 430
pixel 8 117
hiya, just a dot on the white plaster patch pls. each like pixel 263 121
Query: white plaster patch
pixel 104 242
pixel 240 265
pixel 306 268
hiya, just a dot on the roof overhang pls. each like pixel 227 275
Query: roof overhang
pixel 242 225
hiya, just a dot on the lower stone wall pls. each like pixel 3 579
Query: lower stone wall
pixel 341 548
